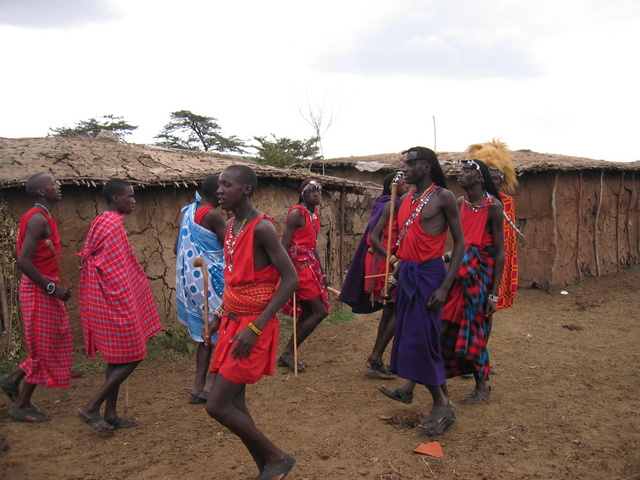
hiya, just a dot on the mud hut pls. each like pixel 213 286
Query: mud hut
pixel 580 217
pixel 164 180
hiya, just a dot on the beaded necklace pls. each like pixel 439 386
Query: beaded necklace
pixel 477 205
pixel 423 200
pixel 232 238
pixel 313 216
pixel 43 208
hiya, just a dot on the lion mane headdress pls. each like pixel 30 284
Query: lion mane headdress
pixel 496 155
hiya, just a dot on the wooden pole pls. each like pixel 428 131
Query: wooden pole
pixel 619 212
pixel 554 219
pixel 578 227
pixel 295 336
pixel 595 225
pixel 392 209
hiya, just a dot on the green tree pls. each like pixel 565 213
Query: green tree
pixel 189 131
pixel 284 152
pixel 92 126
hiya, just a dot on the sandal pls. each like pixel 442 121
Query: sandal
pixel 438 422
pixel 397 394
pixel 476 397
pixel 195 399
pixel 98 423
pixel 123 422
pixel 10 389
pixel 287 361
pixel 30 415
pixel 377 370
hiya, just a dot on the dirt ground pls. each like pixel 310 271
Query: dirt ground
pixel 565 405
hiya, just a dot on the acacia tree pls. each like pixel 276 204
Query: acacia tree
pixel 189 131
pixel 284 152
pixel 92 126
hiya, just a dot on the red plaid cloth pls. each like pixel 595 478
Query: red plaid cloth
pixel 47 335
pixel 509 281
pixel 302 253
pixel 117 307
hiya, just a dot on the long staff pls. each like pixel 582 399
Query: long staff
pixel 199 262
pixel 392 209
pixel 49 245
pixel 295 337
pixel 295 327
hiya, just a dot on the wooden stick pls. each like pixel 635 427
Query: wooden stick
pixel 50 246
pixel 295 336
pixel 392 208
pixel 126 396
pixel 334 291
pixel 199 262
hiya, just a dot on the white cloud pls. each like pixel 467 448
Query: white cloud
pixel 45 14
pixel 557 77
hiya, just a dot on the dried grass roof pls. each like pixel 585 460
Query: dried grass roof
pixel 92 161
pixel 523 161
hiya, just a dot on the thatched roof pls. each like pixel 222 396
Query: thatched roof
pixel 93 161
pixel 523 161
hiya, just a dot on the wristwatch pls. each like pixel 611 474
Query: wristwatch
pixel 50 288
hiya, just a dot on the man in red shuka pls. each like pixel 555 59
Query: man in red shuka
pixel 259 278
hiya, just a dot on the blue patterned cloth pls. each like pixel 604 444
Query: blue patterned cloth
pixel 196 241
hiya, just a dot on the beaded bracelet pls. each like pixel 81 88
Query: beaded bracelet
pixel 392 280
pixel 255 329
pixel 493 297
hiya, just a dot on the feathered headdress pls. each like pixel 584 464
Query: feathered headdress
pixel 496 154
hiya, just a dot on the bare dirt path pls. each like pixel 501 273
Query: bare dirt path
pixel 565 405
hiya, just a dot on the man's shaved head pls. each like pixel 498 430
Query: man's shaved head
pixel 36 182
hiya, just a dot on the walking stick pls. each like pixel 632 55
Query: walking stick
pixel 50 246
pixel 392 208
pixel 295 338
pixel 334 291
pixel 199 262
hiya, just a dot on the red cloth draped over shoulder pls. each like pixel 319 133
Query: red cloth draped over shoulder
pixel 42 259
pixel 307 235
pixel 416 245
pixel 243 271
pixel 246 293
pixel 117 307
pixel 201 213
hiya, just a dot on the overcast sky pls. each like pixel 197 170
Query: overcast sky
pixel 552 76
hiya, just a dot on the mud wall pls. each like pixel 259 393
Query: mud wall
pixel 576 224
pixel 153 226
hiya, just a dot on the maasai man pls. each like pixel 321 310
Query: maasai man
pixel 300 238
pixel 474 295
pixel 117 307
pixel 201 235
pixel 423 283
pixel 365 295
pixel 497 156
pixel 259 278
pixel 47 333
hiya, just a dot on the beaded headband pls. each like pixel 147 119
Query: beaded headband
pixel 473 163
pixel 312 185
